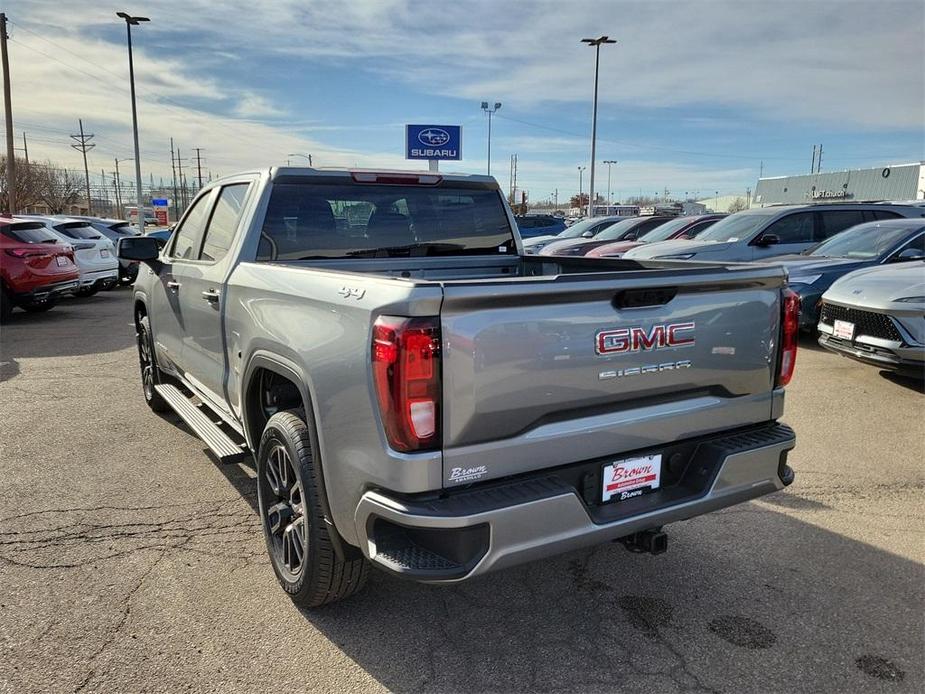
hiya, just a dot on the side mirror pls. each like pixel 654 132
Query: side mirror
pixel 909 254
pixel 587 235
pixel 143 249
pixel 769 240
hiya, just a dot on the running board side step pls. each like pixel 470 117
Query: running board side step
pixel 221 445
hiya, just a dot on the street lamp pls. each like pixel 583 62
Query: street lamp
pixel 609 163
pixel 581 171
pixel 299 154
pixel 490 111
pixel 597 61
pixel 131 21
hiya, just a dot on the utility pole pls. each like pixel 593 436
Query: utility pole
pixel 556 199
pixel 597 62
pixel 812 167
pixel 199 166
pixel 609 162
pixel 173 171
pixel 25 147
pixel 8 112
pixel 819 160
pixel 83 145
pixel 581 171
pixel 761 169
pixel 748 198
pixel 117 184
pixel 514 193
pixel 180 177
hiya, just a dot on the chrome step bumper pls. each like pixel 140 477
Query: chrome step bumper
pixel 538 517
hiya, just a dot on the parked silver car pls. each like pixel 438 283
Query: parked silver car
pixel 874 315
pixel 94 253
pixel 766 232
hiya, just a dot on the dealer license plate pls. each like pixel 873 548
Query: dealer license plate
pixel 843 330
pixel 104 253
pixel 624 479
pixel 61 260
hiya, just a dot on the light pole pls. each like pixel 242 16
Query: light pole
pixel 304 156
pixel 597 62
pixel 131 21
pixel 581 171
pixel 609 162
pixel 490 111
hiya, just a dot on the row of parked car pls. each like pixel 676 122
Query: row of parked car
pixel 47 257
pixel 859 269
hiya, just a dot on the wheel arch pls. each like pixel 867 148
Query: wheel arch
pixel 253 421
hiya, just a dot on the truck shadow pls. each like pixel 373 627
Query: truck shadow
pixel 748 599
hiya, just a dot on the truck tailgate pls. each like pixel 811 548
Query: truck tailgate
pixel 544 372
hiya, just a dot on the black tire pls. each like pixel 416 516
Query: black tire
pixel 39 306
pixel 150 374
pixel 6 304
pixel 297 538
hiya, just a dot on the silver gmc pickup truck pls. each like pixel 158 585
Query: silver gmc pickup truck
pixel 421 396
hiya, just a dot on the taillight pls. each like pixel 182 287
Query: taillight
pixel 27 253
pixel 406 374
pixel 789 336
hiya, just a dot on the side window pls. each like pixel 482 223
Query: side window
pixel 647 226
pixel 874 215
pixel 188 234
pixel 224 222
pixel 695 229
pixel 918 243
pixel 794 228
pixel 834 221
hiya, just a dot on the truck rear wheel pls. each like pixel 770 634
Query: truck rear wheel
pixel 298 542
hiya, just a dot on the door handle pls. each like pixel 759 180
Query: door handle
pixel 210 295
pixel 173 285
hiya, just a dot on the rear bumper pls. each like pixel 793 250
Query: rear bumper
pixel 451 538
pixel 47 291
pixel 99 278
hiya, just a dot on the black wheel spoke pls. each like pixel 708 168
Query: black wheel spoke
pixel 284 506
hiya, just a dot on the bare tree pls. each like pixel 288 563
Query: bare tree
pixel 737 205
pixel 59 188
pixel 26 188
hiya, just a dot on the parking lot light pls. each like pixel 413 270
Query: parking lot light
pixel 490 111
pixel 131 21
pixel 597 62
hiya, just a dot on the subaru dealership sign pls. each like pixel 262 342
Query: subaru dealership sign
pixel 433 142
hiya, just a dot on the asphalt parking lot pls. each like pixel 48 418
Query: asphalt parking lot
pixel 129 561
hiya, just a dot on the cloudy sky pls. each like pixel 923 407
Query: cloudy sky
pixel 694 96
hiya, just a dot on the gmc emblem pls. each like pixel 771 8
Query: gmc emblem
pixel 638 340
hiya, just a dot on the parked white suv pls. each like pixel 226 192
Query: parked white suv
pixel 94 253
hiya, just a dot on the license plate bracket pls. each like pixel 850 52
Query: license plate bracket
pixel 630 477
pixel 843 330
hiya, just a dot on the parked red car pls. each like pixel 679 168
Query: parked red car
pixel 679 228
pixel 35 267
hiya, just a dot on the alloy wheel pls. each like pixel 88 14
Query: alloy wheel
pixel 284 505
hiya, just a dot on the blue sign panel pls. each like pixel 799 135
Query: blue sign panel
pixel 159 202
pixel 433 142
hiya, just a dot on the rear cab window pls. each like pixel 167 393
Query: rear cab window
pixel 325 220
pixel 224 222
